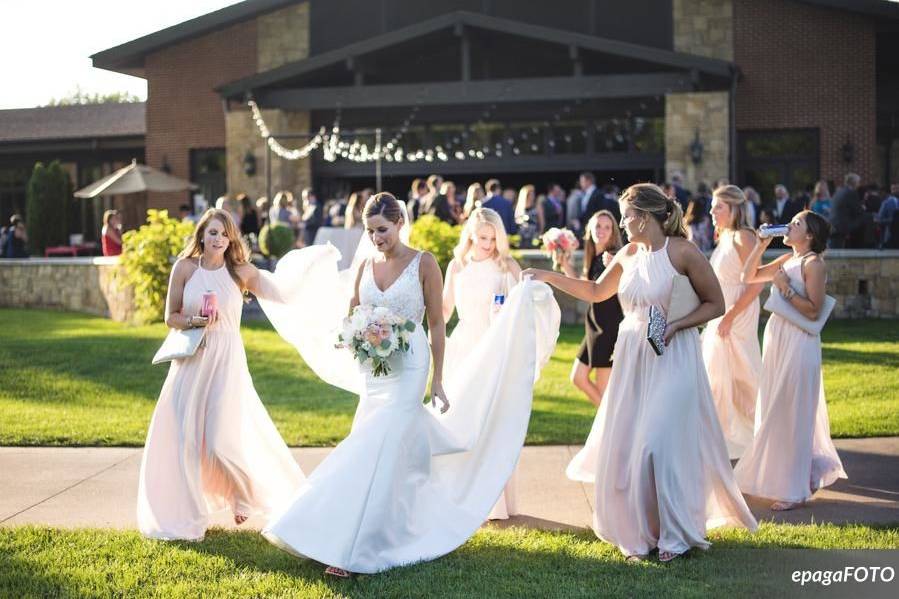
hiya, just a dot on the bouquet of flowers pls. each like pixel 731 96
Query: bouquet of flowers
pixel 558 243
pixel 374 334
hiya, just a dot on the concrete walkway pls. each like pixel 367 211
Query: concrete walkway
pixel 97 487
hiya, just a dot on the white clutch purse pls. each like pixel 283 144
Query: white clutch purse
pixel 776 304
pixel 180 344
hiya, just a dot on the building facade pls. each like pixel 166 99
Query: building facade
pixel 755 91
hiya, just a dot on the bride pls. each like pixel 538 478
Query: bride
pixel 411 482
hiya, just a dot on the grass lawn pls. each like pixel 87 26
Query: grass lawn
pixel 41 562
pixel 71 379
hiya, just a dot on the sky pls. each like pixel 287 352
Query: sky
pixel 45 45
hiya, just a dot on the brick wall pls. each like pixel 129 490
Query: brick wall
pixel 183 110
pixel 808 66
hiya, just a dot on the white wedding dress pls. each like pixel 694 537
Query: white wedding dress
pixel 408 484
pixel 474 287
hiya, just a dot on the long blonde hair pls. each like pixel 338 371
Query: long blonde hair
pixel 649 198
pixel 237 252
pixel 354 209
pixel 473 199
pixel 483 217
pixel 734 197
pixel 614 244
pixel 521 206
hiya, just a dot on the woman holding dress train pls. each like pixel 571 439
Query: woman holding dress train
pixel 482 268
pixel 656 453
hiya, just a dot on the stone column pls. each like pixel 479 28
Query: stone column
pixel 282 37
pixel 703 28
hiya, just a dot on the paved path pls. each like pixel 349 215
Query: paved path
pixel 97 487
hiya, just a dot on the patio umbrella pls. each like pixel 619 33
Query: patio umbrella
pixel 134 178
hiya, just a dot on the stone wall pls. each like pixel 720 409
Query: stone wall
pixel 703 28
pixel 281 37
pixel 865 283
pixel 89 285
pixel 685 114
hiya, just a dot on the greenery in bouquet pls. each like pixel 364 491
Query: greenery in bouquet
pixel 374 334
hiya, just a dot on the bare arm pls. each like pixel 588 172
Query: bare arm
pixel 815 274
pixel 567 268
pixel 753 273
pixel 589 291
pixel 432 286
pixel 744 242
pixel 449 298
pixel 513 269
pixel 355 301
pixel 686 257
pixel 174 300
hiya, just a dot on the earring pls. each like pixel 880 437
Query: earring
pixel 642 225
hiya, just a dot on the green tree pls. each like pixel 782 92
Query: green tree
pixel 47 208
pixel 431 234
pixel 148 255
pixel 80 97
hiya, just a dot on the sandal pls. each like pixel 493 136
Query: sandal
pixel 633 559
pixel 783 506
pixel 336 572
pixel 240 519
pixel 667 556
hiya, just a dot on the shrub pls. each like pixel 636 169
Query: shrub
pixel 276 240
pixel 148 255
pixel 431 234
pixel 47 208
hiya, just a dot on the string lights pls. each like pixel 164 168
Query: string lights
pixel 458 147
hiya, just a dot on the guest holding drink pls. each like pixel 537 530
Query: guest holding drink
pixel 211 445
pixel 656 453
pixel 478 280
pixel 111 238
pixel 730 344
pixel 791 455
pixel 602 240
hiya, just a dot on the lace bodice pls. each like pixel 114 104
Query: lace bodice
pixel 404 297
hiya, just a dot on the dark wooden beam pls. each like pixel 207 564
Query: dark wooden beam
pixel 518 164
pixel 477 92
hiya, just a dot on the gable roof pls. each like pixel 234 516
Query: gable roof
pixel 73 122
pixel 668 58
pixel 129 57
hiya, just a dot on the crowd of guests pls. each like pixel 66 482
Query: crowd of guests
pixel 860 216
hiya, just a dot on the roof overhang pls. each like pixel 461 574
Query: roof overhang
pixel 677 71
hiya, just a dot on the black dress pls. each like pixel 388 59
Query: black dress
pixel 597 347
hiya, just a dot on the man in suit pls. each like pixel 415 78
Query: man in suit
pixel 681 193
pixel 595 200
pixel 313 216
pixel 846 212
pixel 783 209
pixel 495 201
pixel 415 205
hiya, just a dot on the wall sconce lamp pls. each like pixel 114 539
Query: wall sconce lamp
pixel 696 149
pixel 249 163
pixel 847 152
pixel 165 165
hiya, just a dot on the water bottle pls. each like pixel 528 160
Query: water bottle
pixel 766 231
pixel 498 300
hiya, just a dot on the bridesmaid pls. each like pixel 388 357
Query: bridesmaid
pixel 211 445
pixel 792 455
pixel 601 241
pixel 482 268
pixel 656 452
pixel 730 344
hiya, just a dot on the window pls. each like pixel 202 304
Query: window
pixel 767 158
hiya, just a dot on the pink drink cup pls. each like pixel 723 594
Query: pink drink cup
pixel 210 305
